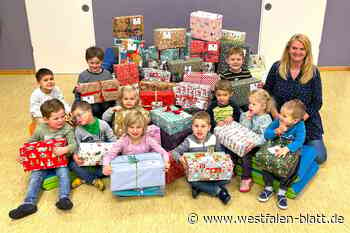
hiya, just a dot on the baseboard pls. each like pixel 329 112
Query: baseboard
pixel 17 71
pixel 334 68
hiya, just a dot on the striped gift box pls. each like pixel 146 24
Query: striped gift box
pixel 202 78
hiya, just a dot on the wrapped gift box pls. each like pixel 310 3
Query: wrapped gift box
pixel 154 99
pixel 171 119
pixel 175 171
pixel 99 92
pixel 39 155
pixel 129 50
pixel 206 26
pixel 141 192
pixel 208 67
pixel 127 74
pixel 127 26
pixel 204 166
pixel 236 137
pixel 185 52
pixel 110 89
pixel 170 142
pixel 167 38
pixel 150 74
pixel 242 88
pixel 192 95
pixel 156 86
pixel 137 171
pixel 207 50
pixel 179 67
pixel 235 36
pixel 92 153
pixel 169 54
pixel 202 78
pixel 225 46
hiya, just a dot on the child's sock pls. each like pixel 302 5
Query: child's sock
pixel 281 192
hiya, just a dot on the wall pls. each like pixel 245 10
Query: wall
pixel 15 46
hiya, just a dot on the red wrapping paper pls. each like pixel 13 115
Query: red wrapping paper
pixel 150 99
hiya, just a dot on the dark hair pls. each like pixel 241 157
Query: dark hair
pixel 41 73
pixel 50 106
pixel 83 105
pixel 223 85
pixel 94 52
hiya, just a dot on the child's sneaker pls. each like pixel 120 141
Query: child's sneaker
pixel 76 183
pixel 224 196
pixel 282 202
pixel 98 183
pixel 23 211
pixel 265 195
pixel 246 185
pixel 64 204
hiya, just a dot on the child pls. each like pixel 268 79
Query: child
pixel 134 142
pixel 234 59
pixel 257 119
pixel 290 126
pixel 54 126
pixel 200 141
pixel 129 99
pixel 46 91
pixel 89 130
pixel 94 57
pixel 223 109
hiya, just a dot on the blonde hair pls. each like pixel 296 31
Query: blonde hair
pixel 307 68
pixel 201 115
pixel 124 89
pixel 223 85
pixel 135 117
pixel 263 97
pixel 234 51
pixel 296 108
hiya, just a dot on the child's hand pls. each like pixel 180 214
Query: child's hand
pixel 183 162
pixel 167 165
pixel 228 120
pixel 281 129
pixel 107 170
pixel 221 123
pixel 250 115
pixel 116 108
pixel 77 159
pixel 60 150
pixel 281 152
pixel 78 88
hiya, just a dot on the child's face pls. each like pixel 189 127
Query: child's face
pixel 235 61
pixel 256 107
pixel 286 118
pixel 94 65
pixel 129 99
pixel 223 97
pixel 47 83
pixel 56 120
pixel 200 129
pixel 83 117
pixel 135 131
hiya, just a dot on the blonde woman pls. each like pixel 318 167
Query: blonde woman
pixel 295 76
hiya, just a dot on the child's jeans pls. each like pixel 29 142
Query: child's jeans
pixel 88 174
pixel 211 187
pixel 321 150
pixel 36 180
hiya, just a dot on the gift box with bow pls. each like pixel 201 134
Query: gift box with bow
pixel 156 99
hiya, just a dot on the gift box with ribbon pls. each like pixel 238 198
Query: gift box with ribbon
pixel 192 95
pixel 100 91
pixel 237 138
pixel 202 78
pixel 167 38
pixel 209 51
pixel 92 153
pixel 205 25
pixel 156 86
pixel 205 166
pixel 40 156
pixel 127 26
pixel 156 99
pixel 171 119
pixel 137 171
pixel 150 74
pixel 127 74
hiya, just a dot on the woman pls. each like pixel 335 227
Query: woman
pixel 295 76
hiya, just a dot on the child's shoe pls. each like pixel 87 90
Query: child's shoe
pixel 224 196
pixel 98 183
pixel 64 204
pixel 265 195
pixel 246 185
pixel 282 202
pixel 23 211
pixel 77 182
pixel 195 192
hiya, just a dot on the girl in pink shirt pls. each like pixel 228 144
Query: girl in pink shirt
pixel 134 142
